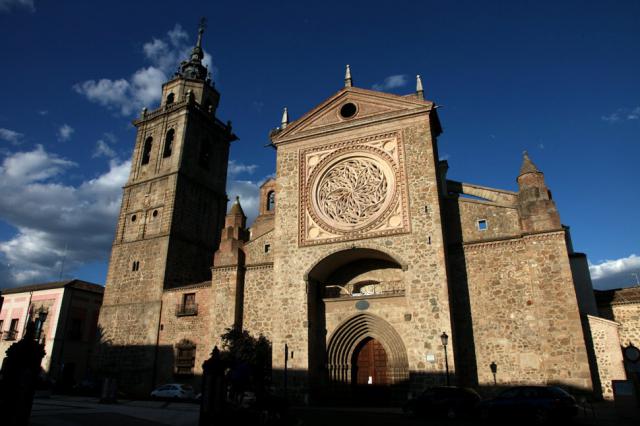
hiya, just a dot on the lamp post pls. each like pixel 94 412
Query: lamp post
pixel 445 339
pixel 494 369
pixel 42 317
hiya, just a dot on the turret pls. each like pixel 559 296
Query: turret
pixel 234 235
pixel 537 210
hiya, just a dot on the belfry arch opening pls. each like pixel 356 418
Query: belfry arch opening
pixel 350 346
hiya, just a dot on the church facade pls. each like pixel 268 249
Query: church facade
pixel 363 256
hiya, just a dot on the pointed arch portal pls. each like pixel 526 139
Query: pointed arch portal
pixel 387 356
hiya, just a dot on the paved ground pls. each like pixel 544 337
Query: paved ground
pixel 74 411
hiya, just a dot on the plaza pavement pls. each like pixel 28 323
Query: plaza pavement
pixel 74 411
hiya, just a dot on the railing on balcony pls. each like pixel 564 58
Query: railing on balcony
pixel 364 289
pixel 10 335
pixel 183 310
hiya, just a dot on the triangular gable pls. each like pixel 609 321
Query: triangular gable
pixel 369 104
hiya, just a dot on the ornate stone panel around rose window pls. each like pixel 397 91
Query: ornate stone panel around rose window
pixel 353 189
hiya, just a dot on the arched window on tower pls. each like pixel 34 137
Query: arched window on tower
pixel 146 152
pixel 271 201
pixel 168 143
pixel 170 98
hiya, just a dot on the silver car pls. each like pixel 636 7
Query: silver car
pixel 173 391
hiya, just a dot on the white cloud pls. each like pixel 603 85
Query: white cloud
pixel 610 267
pixel 103 147
pixel 615 273
pixel 11 136
pixel 50 215
pixel 622 114
pixel 144 87
pixel 236 168
pixel 103 150
pixel 64 132
pixel 8 5
pixel 391 82
pixel 43 112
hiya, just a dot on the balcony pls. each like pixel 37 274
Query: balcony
pixel 186 310
pixel 10 335
pixel 364 289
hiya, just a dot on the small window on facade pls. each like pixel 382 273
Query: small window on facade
pixel 271 200
pixel 482 225
pixel 188 306
pixel 205 154
pixel 170 98
pixel 267 248
pixel 135 266
pixel 168 143
pixel 155 213
pixel 133 218
pixel 12 334
pixel 189 299
pixel 146 152
pixel 185 357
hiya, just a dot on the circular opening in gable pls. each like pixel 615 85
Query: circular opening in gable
pixel 348 110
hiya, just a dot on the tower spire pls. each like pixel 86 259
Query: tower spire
pixel 201 28
pixel 193 68
pixel 285 119
pixel 419 89
pixel 348 82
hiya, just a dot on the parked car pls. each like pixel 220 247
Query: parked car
pixel 449 401
pixel 540 404
pixel 173 391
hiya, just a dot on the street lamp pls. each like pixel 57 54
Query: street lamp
pixel 494 369
pixel 42 317
pixel 445 339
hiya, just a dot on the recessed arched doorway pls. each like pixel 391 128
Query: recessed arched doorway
pixel 344 331
pixel 369 364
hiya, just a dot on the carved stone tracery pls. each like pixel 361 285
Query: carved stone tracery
pixel 352 191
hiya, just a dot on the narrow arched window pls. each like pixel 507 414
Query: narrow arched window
pixel 170 98
pixel 271 200
pixel 168 143
pixel 146 152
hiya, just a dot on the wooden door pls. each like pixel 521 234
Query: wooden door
pixel 371 364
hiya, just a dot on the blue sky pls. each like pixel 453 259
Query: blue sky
pixel 559 79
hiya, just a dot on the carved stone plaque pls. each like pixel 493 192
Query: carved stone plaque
pixel 353 189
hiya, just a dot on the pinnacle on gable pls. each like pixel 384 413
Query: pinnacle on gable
pixel 419 89
pixel 285 119
pixel 527 165
pixel 348 81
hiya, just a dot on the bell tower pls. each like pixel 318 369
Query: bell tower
pixel 173 209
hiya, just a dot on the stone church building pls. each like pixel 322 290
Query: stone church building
pixel 363 254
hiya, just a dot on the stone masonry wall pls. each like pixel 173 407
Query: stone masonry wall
pixel 606 345
pixel 525 313
pixel 422 249
pixel 628 315
pixel 175 328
